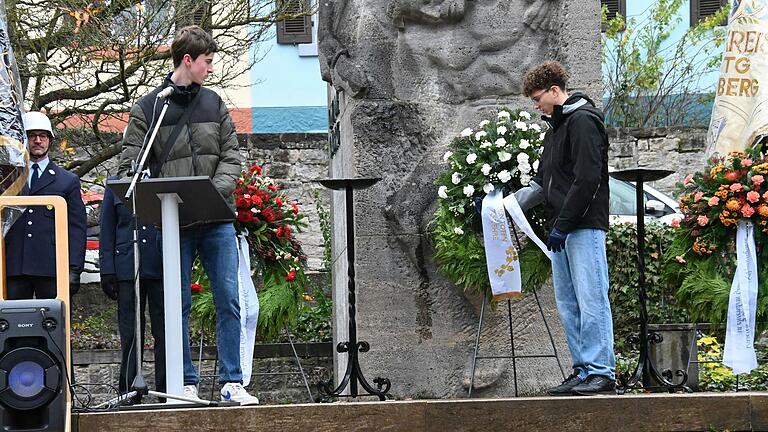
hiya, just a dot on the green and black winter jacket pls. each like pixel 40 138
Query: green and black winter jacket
pixel 206 146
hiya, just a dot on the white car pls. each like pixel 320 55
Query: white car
pixel 659 206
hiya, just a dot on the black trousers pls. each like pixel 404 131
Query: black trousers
pixel 27 287
pixel 152 293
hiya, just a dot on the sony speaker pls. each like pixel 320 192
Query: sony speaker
pixel 33 365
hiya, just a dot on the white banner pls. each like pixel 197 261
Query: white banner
pixel 500 253
pixel 740 113
pixel 249 308
pixel 739 353
pixel 512 206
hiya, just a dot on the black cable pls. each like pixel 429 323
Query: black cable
pixel 85 407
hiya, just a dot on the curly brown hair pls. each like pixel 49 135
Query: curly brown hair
pixel 541 77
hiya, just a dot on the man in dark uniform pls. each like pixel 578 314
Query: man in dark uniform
pixel 30 253
pixel 116 259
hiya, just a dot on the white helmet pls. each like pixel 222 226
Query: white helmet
pixel 37 121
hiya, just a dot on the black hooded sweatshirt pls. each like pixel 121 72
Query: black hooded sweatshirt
pixel 573 171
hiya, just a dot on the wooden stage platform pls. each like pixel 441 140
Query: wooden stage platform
pixel 642 412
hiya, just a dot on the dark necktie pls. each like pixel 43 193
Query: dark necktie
pixel 35 176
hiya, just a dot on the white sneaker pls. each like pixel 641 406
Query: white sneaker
pixel 190 391
pixel 235 392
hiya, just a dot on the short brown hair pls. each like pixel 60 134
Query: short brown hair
pixel 192 40
pixel 542 77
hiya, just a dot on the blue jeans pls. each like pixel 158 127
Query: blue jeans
pixel 216 245
pixel 580 277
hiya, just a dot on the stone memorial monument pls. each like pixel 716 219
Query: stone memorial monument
pixel 405 76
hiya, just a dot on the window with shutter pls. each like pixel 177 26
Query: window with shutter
pixel 201 16
pixel 294 30
pixel 615 7
pixel 701 9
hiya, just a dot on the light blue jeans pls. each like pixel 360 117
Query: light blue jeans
pixel 580 277
pixel 216 246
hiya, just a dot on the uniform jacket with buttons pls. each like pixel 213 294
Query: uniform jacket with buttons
pixel 30 243
pixel 116 243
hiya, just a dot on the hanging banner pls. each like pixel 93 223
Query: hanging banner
pixel 740 113
pixel 500 253
pixel 739 352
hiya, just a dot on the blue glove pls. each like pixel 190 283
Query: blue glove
pixel 556 240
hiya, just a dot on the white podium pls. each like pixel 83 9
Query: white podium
pixel 172 202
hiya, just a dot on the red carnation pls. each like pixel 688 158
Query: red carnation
pixel 257 201
pixel 287 231
pixel 280 231
pixel 279 201
pixel 273 188
pixel 242 202
pixel 268 215
pixel 252 188
pixel 196 288
pixel 295 208
pixel 256 168
pixel 245 217
pixel 290 276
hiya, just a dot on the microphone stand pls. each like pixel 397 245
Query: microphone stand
pixel 139 385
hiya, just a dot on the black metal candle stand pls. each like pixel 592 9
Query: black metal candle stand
pixel 646 376
pixel 353 374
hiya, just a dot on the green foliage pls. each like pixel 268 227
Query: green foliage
pixel 279 301
pixel 652 80
pixel 714 376
pixel 662 306
pixel 95 331
pixel 314 321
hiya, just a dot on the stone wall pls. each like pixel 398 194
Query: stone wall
pixel 276 379
pixel 678 149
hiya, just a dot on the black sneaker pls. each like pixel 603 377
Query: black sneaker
pixel 566 387
pixel 594 385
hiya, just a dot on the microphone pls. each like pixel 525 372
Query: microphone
pixel 165 92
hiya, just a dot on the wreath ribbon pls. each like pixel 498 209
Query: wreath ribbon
pixel 739 352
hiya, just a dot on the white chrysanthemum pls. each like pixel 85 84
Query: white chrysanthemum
pixel 469 190
pixel 447 156
pixel 525 114
pixel 535 127
pixel 471 158
pixel 501 130
pixel 485 144
pixel 486 169
pixel 458 231
pixel 503 114
pixel 456 178
pixel 524 168
pixel 466 132
pixel 504 156
pixel 483 123
pixel 480 135
pixel 488 188
pixel 523 158
pixel 442 192
pixel 525 179
pixel 523 126
pixel 536 165
pixel 504 176
pixel 542 135
pixel 524 144
pixel 501 142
